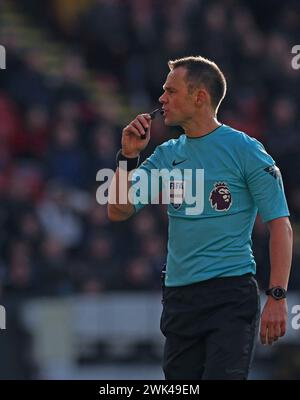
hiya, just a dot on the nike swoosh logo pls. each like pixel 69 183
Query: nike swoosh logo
pixel 174 163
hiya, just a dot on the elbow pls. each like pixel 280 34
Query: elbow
pixel 112 215
pixel 289 233
pixel 290 230
pixel 282 227
pixel 115 215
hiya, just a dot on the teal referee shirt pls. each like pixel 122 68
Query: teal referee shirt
pixel 231 177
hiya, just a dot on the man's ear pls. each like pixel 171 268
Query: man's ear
pixel 202 96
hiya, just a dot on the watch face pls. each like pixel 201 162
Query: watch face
pixel 278 293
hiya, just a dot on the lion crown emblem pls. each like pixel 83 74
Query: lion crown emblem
pixel 220 197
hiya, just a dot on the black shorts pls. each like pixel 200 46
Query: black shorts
pixel 211 328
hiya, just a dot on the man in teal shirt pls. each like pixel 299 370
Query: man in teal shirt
pixel 211 305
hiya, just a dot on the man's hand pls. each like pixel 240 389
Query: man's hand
pixel 273 320
pixel 132 142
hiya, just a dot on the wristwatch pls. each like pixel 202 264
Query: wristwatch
pixel 277 292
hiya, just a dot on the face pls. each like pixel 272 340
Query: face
pixel 178 104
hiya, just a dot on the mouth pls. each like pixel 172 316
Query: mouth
pixel 153 113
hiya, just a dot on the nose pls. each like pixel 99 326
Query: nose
pixel 162 98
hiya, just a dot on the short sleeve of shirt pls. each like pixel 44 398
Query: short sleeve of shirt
pixel 146 184
pixel 264 182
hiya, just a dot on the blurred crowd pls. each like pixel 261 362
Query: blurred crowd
pixel 55 239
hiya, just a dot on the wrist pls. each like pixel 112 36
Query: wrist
pixel 125 162
pixel 271 300
pixel 129 154
pixel 276 292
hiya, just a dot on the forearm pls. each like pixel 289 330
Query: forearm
pixel 280 246
pixel 119 206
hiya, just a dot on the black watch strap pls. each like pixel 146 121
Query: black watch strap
pixel 126 163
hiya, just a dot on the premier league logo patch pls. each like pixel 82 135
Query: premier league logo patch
pixel 274 171
pixel 220 197
pixel 176 193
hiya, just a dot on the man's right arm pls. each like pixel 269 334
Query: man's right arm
pixel 119 206
pixel 116 210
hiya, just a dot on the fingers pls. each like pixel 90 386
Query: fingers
pixel 273 321
pixel 277 331
pixel 270 334
pixel 267 335
pixel 131 130
pixel 263 332
pixel 283 328
pixel 145 120
pixel 272 331
pixel 139 125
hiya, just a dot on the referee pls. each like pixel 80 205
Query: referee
pixel 211 307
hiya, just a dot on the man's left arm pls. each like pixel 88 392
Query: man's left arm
pixel 274 315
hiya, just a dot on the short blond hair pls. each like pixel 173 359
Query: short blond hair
pixel 202 71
